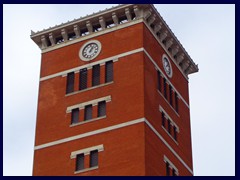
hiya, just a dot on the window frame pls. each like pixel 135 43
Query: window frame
pixel 70 82
pixel 75 114
pixel 109 71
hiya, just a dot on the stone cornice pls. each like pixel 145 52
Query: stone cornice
pixel 110 18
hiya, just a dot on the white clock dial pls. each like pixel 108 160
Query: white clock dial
pixel 167 65
pixel 90 50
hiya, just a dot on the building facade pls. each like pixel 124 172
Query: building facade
pixel 113 97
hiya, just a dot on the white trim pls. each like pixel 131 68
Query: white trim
pixel 129 123
pixel 165 159
pixel 93 35
pixel 62 73
pixel 72 138
pixel 86 151
pixel 82 105
pixel 156 66
pixel 169 135
pixel 168 117
pixel 169 147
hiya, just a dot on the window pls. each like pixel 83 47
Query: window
pixel 101 108
pixel 80 162
pixel 70 82
pixel 165 88
pixel 75 116
pixel 163 119
pixel 175 133
pixel 88 112
pixel 169 126
pixel 174 173
pixel 176 102
pixel 96 75
pixel 83 79
pixel 171 170
pixel 167 169
pixel 159 84
pixel 94 158
pixel 170 95
pixel 109 71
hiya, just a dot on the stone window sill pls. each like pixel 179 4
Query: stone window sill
pixel 90 88
pixel 170 135
pixel 168 103
pixel 85 170
pixel 87 121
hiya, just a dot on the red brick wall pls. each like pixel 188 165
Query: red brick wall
pixel 153 99
pixel 113 43
pixel 123 154
pixel 154 153
pixel 134 95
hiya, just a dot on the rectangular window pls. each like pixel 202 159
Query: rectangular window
pixel 88 112
pixel 169 126
pixel 176 102
pixel 70 82
pixel 165 87
pixel 175 133
pixel 94 158
pixel 102 108
pixel 75 116
pixel 159 84
pixel 96 75
pixel 167 169
pixel 80 162
pixel 163 119
pixel 109 71
pixel 170 95
pixel 83 79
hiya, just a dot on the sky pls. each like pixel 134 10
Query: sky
pixel 207 32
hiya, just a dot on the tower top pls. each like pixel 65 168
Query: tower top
pixel 121 15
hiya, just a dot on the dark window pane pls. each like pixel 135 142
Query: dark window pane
pixel 159 79
pixel 175 133
pixel 94 158
pixel 109 71
pixel 176 102
pixel 163 119
pixel 75 116
pixel 167 169
pixel 169 126
pixel 83 79
pixel 70 82
pixel 80 162
pixel 96 75
pixel 102 108
pixel 174 172
pixel 170 95
pixel 165 87
pixel 88 112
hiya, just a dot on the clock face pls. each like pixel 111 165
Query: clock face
pixel 90 50
pixel 167 65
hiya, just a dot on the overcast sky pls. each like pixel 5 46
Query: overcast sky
pixel 206 31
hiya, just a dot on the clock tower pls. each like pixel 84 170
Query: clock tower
pixel 113 97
